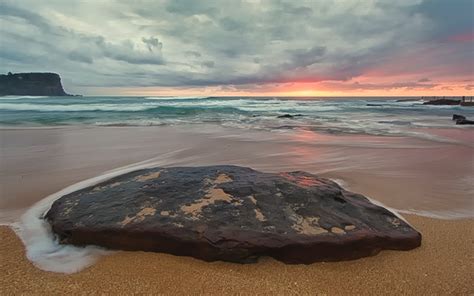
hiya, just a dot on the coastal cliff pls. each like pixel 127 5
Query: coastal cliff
pixel 31 84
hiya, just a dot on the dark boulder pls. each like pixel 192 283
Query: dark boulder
pixel 464 121
pixel 229 213
pixel 457 116
pixel 442 102
pixel 289 116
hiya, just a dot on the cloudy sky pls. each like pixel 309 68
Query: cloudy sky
pixel 252 47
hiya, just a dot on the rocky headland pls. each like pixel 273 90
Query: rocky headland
pixel 31 84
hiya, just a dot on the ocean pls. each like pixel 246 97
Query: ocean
pixel 371 116
pixel 411 157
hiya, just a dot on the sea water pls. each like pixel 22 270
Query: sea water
pixel 372 116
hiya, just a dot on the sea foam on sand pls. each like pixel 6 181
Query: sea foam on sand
pixel 42 247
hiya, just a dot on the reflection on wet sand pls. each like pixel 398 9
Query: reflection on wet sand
pixel 404 173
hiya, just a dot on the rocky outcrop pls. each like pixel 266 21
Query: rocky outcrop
pixel 457 117
pixel 464 121
pixel 460 119
pixel 289 116
pixel 442 102
pixel 229 213
pixel 31 84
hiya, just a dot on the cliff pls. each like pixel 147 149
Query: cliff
pixel 31 84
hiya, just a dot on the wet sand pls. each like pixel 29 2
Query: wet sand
pixel 39 162
pixel 404 173
pixel 441 266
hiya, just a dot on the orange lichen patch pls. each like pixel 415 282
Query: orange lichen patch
pixel 213 195
pixel 307 181
pixel 140 216
pixel 149 176
pixel 252 199
pixel 259 215
pixel 337 230
pixel 308 226
pixel 218 194
pixel 68 210
pixel 395 222
pixel 302 180
pixel 349 227
pixel 98 188
pixel 222 178
pixel 164 213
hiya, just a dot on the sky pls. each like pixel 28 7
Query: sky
pixel 236 48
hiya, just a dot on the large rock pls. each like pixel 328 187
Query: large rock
pixel 289 116
pixel 442 102
pixel 457 117
pixel 464 121
pixel 229 213
pixel 32 84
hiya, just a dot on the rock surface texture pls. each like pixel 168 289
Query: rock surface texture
pixel 229 213
pixel 31 84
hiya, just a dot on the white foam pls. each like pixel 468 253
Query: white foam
pixel 21 97
pixel 173 98
pixel 345 185
pixel 444 215
pixel 76 107
pixel 43 250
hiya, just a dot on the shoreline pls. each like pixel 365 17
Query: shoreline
pixel 397 171
pixel 41 162
pixel 442 265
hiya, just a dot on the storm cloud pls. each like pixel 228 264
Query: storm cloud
pixel 240 44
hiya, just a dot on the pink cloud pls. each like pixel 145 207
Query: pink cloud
pixel 464 37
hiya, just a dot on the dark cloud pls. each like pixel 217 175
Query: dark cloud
pixel 30 17
pixel 193 53
pixel 153 43
pixel 449 17
pixel 230 24
pixel 190 7
pixel 308 57
pixel 230 43
pixel 79 57
pixel 208 64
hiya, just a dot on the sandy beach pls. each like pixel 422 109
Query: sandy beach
pixel 441 266
pixel 394 170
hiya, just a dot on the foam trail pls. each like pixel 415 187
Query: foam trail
pixel 43 250
pixel 444 215
pixel 396 212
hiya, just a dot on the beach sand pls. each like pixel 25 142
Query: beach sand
pixel 442 265
pixel 402 173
